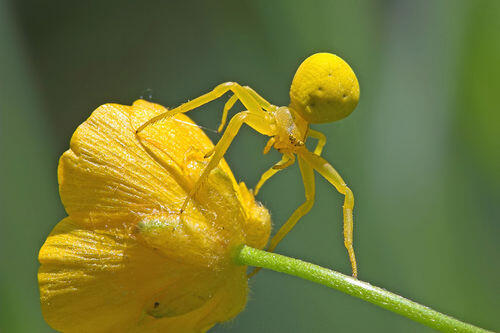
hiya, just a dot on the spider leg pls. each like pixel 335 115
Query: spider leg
pixel 263 103
pixel 269 145
pixel 279 166
pixel 326 170
pixel 242 94
pixel 309 187
pixel 321 140
pixel 229 104
pixel 255 121
pixel 307 173
pixel 285 162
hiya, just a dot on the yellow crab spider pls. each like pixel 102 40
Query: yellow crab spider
pixel 324 89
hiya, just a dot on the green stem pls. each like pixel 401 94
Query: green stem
pixel 246 255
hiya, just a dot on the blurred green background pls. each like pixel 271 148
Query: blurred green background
pixel 421 152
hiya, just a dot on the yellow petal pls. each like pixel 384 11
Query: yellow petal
pixel 107 175
pixel 125 259
pixel 95 280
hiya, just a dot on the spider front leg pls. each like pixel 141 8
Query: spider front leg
pixel 242 94
pixel 326 170
pixel 261 100
pixel 255 121
pixel 230 103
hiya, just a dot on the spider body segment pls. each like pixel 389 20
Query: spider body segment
pixel 324 89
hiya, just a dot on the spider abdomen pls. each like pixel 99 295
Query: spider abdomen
pixel 324 89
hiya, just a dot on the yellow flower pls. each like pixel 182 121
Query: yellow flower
pixel 125 260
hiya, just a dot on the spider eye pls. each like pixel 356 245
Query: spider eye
pixel 324 89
